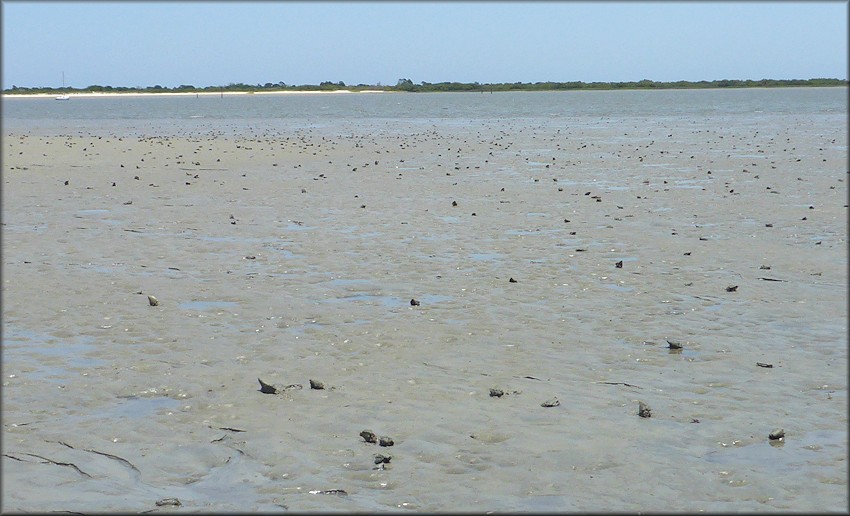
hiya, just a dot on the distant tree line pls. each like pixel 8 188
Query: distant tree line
pixel 409 86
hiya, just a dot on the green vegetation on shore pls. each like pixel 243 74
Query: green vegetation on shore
pixel 409 86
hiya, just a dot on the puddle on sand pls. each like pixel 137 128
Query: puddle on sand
pixel 280 248
pixel 26 343
pixel 95 215
pixel 432 298
pixel 286 253
pixel 23 228
pixel 794 453
pixel 365 290
pixel 389 301
pixel 295 226
pixel 686 354
pixel 27 350
pixel 137 406
pixel 303 328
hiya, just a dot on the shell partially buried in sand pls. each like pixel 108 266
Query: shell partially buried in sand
pixel 777 434
pixel 266 388
pixel 369 436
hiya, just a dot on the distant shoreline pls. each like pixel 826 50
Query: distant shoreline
pixel 406 85
pixel 93 94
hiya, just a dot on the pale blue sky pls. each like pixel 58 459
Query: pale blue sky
pixel 217 43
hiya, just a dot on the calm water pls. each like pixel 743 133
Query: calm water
pixel 182 114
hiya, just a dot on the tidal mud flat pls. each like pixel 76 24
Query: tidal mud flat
pixel 611 314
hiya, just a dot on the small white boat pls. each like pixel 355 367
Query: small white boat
pixel 63 96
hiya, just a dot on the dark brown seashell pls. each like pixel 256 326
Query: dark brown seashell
pixel 266 388
pixel 369 436
pixel 674 344
pixel 316 385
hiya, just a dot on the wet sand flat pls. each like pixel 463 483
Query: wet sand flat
pixel 548 260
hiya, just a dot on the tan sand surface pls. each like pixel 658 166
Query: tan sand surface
pixel 291 257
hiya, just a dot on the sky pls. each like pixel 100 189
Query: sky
pixel 140 44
